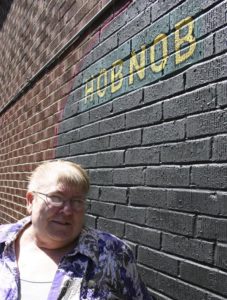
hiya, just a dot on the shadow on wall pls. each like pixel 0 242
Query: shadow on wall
pixel 4 9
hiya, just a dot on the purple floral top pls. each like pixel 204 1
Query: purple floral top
pixel 100 267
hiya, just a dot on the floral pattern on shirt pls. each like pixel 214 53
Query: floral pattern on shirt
pixel 100 267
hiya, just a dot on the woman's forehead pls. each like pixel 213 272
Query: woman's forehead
pixel 53 184
pixel 64 187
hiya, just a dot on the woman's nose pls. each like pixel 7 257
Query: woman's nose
pixel 67 207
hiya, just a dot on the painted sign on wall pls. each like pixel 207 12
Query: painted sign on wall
pixel 157 51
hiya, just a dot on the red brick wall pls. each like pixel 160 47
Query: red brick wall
pixel 33 32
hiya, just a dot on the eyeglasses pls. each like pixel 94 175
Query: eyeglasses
pixel 57 201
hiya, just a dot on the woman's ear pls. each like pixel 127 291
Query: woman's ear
pixel 29 201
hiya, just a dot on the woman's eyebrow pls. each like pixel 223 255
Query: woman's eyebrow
pixel 56 193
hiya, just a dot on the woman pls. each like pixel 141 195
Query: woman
pixel 51 255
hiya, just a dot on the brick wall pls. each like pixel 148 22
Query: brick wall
pixel 140 101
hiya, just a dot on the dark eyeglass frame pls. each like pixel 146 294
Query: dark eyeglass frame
pixel 76 204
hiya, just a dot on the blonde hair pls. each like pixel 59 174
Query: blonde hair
pixel 67 172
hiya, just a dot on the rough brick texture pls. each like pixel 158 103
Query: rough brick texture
pixel 140 101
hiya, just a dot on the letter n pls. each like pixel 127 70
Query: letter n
pixel 139 67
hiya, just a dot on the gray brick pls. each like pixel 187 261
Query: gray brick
pixel 72 109
pixel 88 206
pixel 122 52
pixel 110 159
pixel 87 161
pixel 212 296
pixel 78 121
pixel 102 209
pixel 88 131
pixel 137 7
pixel 207 72
pixel 186 152
pixel 211 228
pixel 205 277
pixel 114 195
pixel 148 196
pixel 101 176
pixel 132 12
pixel 78 79
pixel 125 139
pixel 188 248
pixel 147 36
pixel 222 93
pixel 148 276
pixel 128 176
pixel 220 40
pixel 221 256
pixel 220 148
pixel 71 98
pixel 167 176
pixel 203 49
pixel 130 214
pixel 65 125
pixel 170 221
pixel 77 95
pixel 114 227
pixel 118 22
pixel 209 177
pixel 207 124
pixel 144 116
pixel 161 7
pixel 158 260
pixel 177 289
pixel 100 112
pixel 222 200
pixel 134 26
pixel 69 137
pixel 82 119
pixel 90 221
pixel 189 8
pixel 197 101
pixel 91 145
pixel 167 132
pixel 112 124
pixel 145 156
pixel 101 50
pixel 93 192
pixel 164 89
pixel 62 151
pixel 158 296
pixel 128 101
pixel 194 202
pixel 143 236
pixel 212 20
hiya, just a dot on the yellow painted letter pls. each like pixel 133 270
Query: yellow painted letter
pixel 116 77
pixel 89 90
pixel 189 38
pixel 140 68
pixel 154 66
pixel 101 92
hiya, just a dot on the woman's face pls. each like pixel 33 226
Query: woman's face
pixel 55 227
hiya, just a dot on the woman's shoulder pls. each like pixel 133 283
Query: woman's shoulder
pixel 9 230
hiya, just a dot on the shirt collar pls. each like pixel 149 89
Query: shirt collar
pixel 9 232
pixel 87 244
